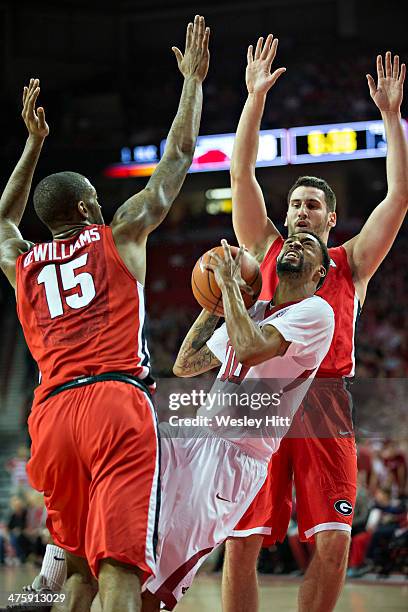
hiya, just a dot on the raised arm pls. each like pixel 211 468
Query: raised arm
pixel 15 195
pixel 194 356
pixel 367 250
pixel 249 217
pixel 143 212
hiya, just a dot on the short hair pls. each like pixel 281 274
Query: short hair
pixel 325 255
pixel 56 196
pixel 318 183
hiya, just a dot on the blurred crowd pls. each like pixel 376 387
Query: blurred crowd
pixel 23 534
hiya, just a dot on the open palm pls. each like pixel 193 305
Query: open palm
pixel 259 78
pixel 388 92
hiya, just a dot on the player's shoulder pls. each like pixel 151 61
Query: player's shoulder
pixel 314 304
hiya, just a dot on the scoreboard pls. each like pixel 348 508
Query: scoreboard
pixel 298 145
pixel 214 152
pixel 337 142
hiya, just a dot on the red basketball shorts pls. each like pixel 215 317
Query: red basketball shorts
pixel 95 455
pixel 323 470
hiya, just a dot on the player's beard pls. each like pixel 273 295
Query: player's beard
pixel 296 267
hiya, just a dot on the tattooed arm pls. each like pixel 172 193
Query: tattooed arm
pixel 194 356
pixel 144 211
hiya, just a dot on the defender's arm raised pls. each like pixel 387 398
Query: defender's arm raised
pixel 250 220
pixel 143 212
pixel 15 195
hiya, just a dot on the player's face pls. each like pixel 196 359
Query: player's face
pixel 308 211
pixel 301 254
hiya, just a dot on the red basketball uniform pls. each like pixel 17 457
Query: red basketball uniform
pixel 94 448
pixel 324 466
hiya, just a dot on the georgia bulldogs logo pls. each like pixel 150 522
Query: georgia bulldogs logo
pixel 342 506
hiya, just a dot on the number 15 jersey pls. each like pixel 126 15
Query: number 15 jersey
pixel 81 310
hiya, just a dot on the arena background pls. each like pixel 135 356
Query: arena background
pixel 109 83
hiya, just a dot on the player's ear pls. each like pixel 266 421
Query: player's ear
pixel 82 209
pixel 322 271
pixel 286 221
pixel 332 219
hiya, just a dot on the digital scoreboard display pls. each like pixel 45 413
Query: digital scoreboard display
pixel 214 152
pixel 337 142
pixel 300 145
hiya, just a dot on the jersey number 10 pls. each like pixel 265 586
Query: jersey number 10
pixel 69 280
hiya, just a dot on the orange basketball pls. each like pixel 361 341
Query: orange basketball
pixel 205 289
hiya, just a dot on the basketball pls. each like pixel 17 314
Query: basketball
pixel 205 289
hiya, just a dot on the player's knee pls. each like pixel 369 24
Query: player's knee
pixel 78 569
pixel 241 554
pixel 112 568
pixel 332 548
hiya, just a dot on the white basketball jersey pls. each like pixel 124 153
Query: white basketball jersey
pixel 254 406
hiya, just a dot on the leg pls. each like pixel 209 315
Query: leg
pixel 239 580
pixel 80 588
pixel 325 575
pixel 119 587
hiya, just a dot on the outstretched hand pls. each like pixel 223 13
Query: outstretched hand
pixel 388 92
pixel 196 58
pixel 227 269
pixel 34 118
pixel 259 78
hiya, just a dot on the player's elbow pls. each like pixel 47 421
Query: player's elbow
pixel 181 151
pixel 400 199
pixel 179 371
pixel 240 173
pixel 247 356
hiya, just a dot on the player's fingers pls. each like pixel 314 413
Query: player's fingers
pixel 380 68
pixel 388 70
pixel 258 47
pixel 189 35
pixel 195 29
pixel 41 117
pixel 227 253
pixel 25 90
pixel 178 54
pixel 401 77
pixel 275 75
pixel 201 30
pixel 209 267
pixel 272 52
pixel 267 46
pixel 250 54
pixel 395 67
pixel 239 257
pixel 247 288
pixel 206 39
pixel 32 100
pixel 371 84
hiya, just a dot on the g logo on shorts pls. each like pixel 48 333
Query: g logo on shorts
pixel 342 506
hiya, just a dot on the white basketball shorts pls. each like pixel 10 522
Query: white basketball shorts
pixel 207 484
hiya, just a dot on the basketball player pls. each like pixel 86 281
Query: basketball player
pixel 211 474
pixel 324 469
pixel 95 451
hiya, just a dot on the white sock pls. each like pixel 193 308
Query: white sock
pixel 54 567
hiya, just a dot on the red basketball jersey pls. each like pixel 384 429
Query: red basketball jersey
pixel 81 310
pixel 339 291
